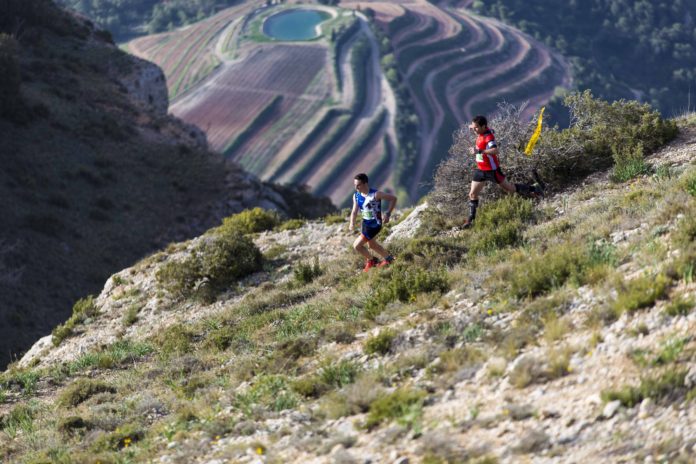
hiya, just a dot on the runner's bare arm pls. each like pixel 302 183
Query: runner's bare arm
pixel 392 204
pixel 353 214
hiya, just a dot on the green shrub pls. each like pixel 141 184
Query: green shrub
pixel 27 380
pixel 333 219
pixel 274 252
pixel 405 405
pixel 271 391
pixel 123 437
pixel 380 343
pixel 291 224
pixel 445 251
pixel 629 162
pixel 670 351
pixel 542 273
pixel 680 306
pixel 688 182
pixel 457 358
pixel 83 309
pixel 310 387
pixel 220 338
pixel 339 374
pixel 176 339
pixel 215 263
pixel 72 425
pixel 249 221
pixel 501 223
pixel 601 252
pixel 685 233
pixel 639 293
pixel 21 417
pixel 130 317
pixel 633 127
pixel 305 273
pixel 81 390
pixel 403 283
pixel 668 384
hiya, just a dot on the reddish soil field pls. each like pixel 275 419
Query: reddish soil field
pixel 230 101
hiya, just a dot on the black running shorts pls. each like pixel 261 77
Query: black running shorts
pixel 370 231
pixel 495 175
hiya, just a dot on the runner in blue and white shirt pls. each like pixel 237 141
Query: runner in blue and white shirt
pixel 369 202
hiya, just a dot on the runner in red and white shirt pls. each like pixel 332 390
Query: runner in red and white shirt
pixel 488 168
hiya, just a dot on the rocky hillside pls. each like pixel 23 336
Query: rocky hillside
pixel 567 339
pixel 95 174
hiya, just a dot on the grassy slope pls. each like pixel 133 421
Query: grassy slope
pixel 257 370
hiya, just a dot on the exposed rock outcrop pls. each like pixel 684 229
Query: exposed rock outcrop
pixel 144 82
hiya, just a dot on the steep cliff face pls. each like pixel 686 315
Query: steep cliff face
pixel 145 83
pixel 95 173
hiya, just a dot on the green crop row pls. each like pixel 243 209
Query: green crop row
pixel 351 155
pixel 342 37
pixel 259 121
pixel 314 135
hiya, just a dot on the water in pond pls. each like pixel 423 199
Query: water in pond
pixel 294 24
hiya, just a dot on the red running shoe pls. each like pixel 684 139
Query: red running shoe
pixel 387 261
pixel 370 263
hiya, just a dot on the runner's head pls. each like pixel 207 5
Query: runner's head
pixel 360 183
pixel 479 124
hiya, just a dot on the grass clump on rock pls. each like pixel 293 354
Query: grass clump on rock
pixel 664 386
pixel 405 405
pixel 84 308
pixel 305 273
pixel 639 293
pixel 380 343
pixel 81 390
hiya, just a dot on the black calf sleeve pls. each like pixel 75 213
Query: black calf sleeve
pixel 473 204
pixel 523 189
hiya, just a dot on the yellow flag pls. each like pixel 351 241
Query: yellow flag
pixel 535 135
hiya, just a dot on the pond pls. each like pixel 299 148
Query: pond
pixel 295 24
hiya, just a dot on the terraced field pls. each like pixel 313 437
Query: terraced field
pixel 456 64
pixel 187 56
pixel 305 112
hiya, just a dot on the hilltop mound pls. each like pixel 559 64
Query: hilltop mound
pixel 555 331
pixel 95 173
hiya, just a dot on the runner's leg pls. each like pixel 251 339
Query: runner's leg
pixel 377 248
pixel 476 188
pixel 359 246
